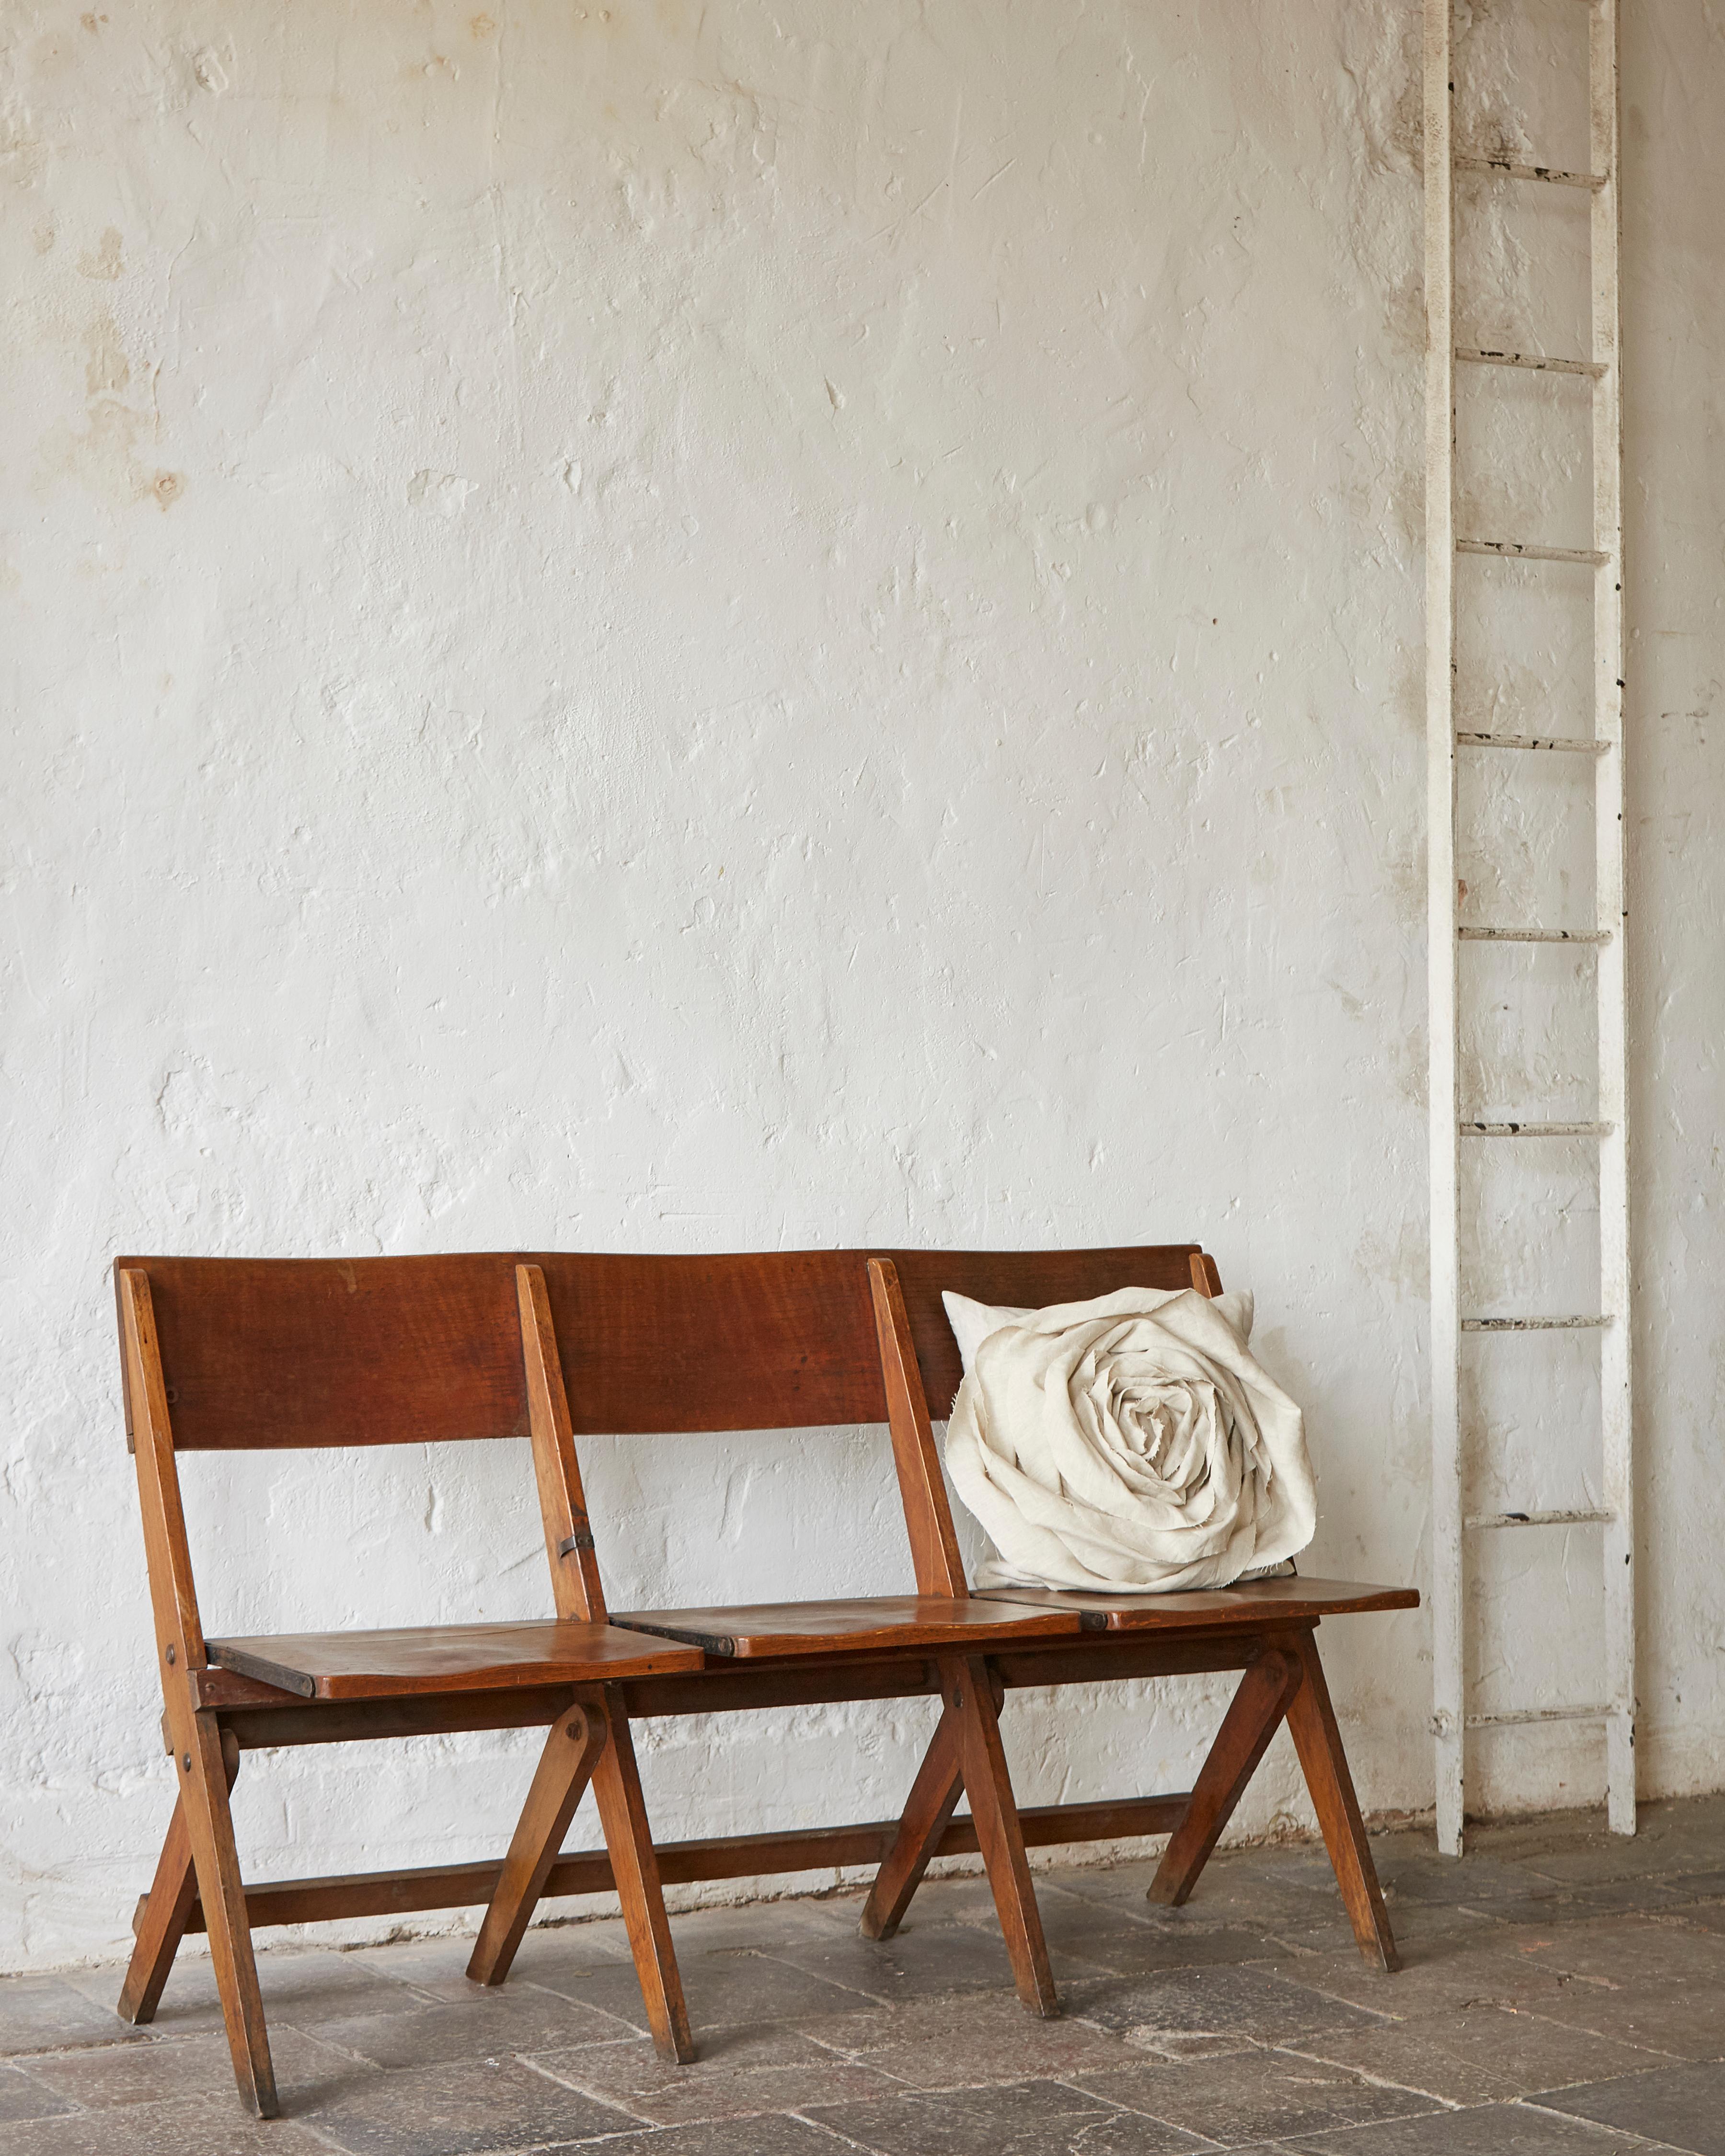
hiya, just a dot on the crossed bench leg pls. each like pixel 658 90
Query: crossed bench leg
pixel 588 1743
pixel 1285 1678
pixel 966 1753
pixel 200 1837
pixel 161 1919
pixel 969 1724
pixel 970 1721
pixel 591 1742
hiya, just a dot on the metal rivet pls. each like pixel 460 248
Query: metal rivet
pixel 185 1762
pixel 170 1657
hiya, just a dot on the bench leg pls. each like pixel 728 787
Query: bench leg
pixel 203 1798
pixel 161 1920
pixel 1311 1721
pixel 934 1793
pixel 1254 1714
pixel 969 1694
pixel 565 1767
pixel 634 1867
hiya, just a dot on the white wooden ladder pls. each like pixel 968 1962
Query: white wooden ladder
pixel 1597 756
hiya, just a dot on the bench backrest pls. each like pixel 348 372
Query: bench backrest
pixel 261 1353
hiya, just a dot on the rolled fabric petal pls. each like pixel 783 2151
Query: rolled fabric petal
pixel 1129 1444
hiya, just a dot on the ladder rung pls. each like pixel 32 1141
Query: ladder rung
pixel 1541 1519
pixel 1537 361
pixel 1569 744
pixel 1509 168
pixel 1535 1130
pixel 1533 1324
pixel 1513 549
pixel 1521 1717
pixel 1534 935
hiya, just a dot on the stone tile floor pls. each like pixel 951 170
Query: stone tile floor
pixel 1563 1995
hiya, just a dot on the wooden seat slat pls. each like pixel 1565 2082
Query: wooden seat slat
pixel 447 1658
pixel 917 1622
pixel 1202 1608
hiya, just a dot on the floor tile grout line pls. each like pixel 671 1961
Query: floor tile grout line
pixel 1575 2118
pixel 78 2110
pixel 1383 2020
pixel 838 1983
pixel 521 1984
pixel 331 2043
pixel 1551 2021
pixel 899 2085
pixel 1375 2081
pixel 311 2126
pixel 637 2039
pixel 1130 2112
pixel 556 2081
pixel 820 2126
pixel 1203 2143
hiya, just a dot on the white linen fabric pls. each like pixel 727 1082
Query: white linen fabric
pixel 1129 1444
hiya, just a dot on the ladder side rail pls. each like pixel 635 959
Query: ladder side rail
pixel 1616 1414
pixel 1447 1589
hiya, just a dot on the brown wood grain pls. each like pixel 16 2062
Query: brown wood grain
pixel 167 1555
pixel 274 1352
pixel 212 1687
pixel 1259 1602
pixel 572 1751
pixel 1125 1656
pixel 1312 1723
pixel 198 1740
pixel 445 1658
pixel 221 1894
pixel 577 1588
pixel 266 1352
pixel 934 1794
pixel 159 1922
pixel 265 1717
pixel 1254 1715
pixel 640 1891
pixel 579 1591
pixel 927 1813
pixel 968 1689
pixel 907 1622
pixel 923 1490
pixel 682 1863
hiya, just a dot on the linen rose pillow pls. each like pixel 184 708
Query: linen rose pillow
pixel 1128 1445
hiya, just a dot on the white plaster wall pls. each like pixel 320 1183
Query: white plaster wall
pixel 672 627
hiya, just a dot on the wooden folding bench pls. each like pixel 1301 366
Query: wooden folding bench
pixel 244 1354
pixel 810 1339
pixel 264 1353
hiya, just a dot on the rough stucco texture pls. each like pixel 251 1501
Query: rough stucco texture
pixel 674 627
